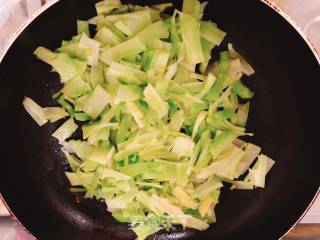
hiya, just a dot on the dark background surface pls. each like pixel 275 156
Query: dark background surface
pixel 11 230
pixel 283 118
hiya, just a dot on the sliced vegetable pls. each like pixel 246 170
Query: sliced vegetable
pixel 242 114
pixel 211 33
pixel 191 7
pixel 65 130
pixel 251 153
pixel 241 90
pixel 106 7
pixel 159 106
pixel 73 161
pixel 220 83
pixel 91 49
pixel 81 148
pixel 73 179
pixel 205 205
pixel 258 173
pixel 107 36
pixel 123 128
pixel 100 155
pixel 127 93
pixel 176 121
pixel 67 67
pixel 110 173
pixel 45 55
pixel 191 222
pixel 190 33
pixel 149 226
pixel 221 142
pixel 157 30
pixel 75 87
pixel 183 146
pixel 54 114
pixel 135 21
pixel 35 111
pixel 97 101
pixel 185 199
pixel 225 167
pixel 126 74
pixel 83 27
pixel 96 75
pixel 201 117
pixel 246 67
pixel 128 48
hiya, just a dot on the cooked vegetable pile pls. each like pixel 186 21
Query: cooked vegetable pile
pixel 160 125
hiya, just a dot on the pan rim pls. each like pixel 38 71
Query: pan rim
pixel 269 3
pixel 273 6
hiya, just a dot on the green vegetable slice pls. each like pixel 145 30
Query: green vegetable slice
pixel 192 7
pixel 124 49
pixel 45 55
pixel 65 130
pixel 97 101
pixel 190 33
pixel 67 67
pixel 159 106
pixel 83 27
pixel 211 33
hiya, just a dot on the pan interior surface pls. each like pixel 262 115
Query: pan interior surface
pixel 282 116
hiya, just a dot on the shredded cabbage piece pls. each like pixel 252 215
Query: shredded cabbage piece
pixel 65 130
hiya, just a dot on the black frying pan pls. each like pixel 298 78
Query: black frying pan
pixel 283 117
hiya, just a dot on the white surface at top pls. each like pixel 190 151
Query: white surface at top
pixel 3 209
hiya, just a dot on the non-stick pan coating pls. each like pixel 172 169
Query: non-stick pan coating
pixel 284 118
